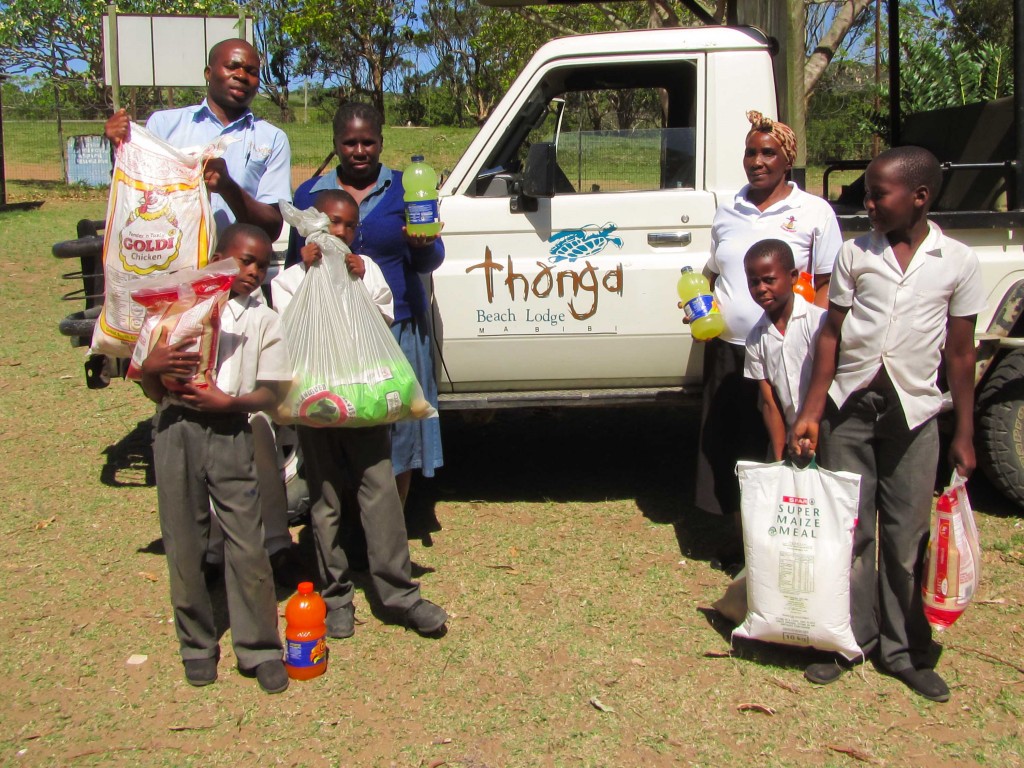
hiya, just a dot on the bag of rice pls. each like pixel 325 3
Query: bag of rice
pixel 158 221
pixel 187 304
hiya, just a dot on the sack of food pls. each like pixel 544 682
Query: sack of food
pixel 798 540
pixel 349 370
pixel 158 221
pixel 733 604
pixel 952 562
pixel 183 305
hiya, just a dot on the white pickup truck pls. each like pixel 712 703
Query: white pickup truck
pixel 596 179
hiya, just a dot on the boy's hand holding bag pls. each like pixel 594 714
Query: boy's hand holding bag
pixel 798 539
pixel 348 369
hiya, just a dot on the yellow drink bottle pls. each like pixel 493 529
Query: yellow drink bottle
pixel 421 212
pixel 699 305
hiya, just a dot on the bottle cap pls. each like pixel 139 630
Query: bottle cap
pixel 684 270
pixel 305 587
pixel 417 158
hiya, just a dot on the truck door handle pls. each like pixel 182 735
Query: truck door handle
pixel 658 239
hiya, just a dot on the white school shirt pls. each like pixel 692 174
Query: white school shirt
pixel 804 221
pixel 899 320
pixel 284 286
pixel 251 347
pixel 785 362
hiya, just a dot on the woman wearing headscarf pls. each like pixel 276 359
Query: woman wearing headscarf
pixel 769 206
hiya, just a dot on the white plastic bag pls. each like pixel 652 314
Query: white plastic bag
pixel 188 305
pixel 349 370
pixel 952 562
pixel 798 541
pixel 158 221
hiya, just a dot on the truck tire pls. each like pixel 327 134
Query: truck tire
pixel 1000 436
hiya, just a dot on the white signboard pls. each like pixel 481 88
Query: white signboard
pixel 166 50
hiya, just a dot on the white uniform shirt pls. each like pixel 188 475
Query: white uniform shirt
pixel 785 362
pixel 284 286
pixel 804 221
pixel 899 320
pixel 251 347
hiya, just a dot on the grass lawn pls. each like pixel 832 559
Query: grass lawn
pixel 576 573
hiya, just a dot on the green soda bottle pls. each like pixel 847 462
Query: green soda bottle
pixel 701 310
pixel 421 213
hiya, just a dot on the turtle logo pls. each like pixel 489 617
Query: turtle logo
pixel 571 244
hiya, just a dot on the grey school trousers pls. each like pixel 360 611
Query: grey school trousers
pixel 869 436
pixel 360 459
pixel 198 458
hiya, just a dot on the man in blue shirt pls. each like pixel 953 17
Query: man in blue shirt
pixel 255 170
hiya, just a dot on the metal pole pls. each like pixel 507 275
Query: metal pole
pixel 1017 200
pixel 895 117
pixel 3 159
pixel 115 64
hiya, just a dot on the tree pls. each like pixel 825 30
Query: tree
pixel 476 53
pixel 357 44
pixel 279 60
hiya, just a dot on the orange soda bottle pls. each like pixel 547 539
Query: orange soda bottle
pixel 699 305
pixel 805 287
pixel 305 634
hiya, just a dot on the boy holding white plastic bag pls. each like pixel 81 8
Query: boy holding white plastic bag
pixel 360 458
pixel 901 298
pixel 797 523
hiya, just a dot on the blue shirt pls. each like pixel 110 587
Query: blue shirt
pixel 259 161
pixel 380 236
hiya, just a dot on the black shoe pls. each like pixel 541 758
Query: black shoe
pixel 341 622
pixel 823 673
pixel 271 675
pixel 924 682
pixel 426 618
pixel 200 672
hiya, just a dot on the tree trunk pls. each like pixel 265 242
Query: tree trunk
pixel 822 55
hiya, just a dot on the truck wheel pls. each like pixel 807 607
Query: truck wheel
pixel 1001 426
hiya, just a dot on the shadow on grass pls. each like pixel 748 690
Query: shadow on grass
pixel 647 454
pixel 130 460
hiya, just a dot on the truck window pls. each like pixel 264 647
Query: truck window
pixel 616 129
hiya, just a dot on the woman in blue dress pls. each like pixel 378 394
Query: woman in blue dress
pixel 403 258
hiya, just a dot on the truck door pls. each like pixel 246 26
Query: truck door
pixel 580 293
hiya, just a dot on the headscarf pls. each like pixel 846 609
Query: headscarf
pixel 781 132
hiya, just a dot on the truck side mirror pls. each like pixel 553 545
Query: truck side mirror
pixel 539 175
pixel 538 178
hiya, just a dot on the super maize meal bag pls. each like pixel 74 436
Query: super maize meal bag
pixel 158 221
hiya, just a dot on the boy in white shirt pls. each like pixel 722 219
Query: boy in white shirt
pixel 338 460
pixel 902 297
pixel 203 450
pixel 780 348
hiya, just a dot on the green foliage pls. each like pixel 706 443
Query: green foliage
pixel 947 73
